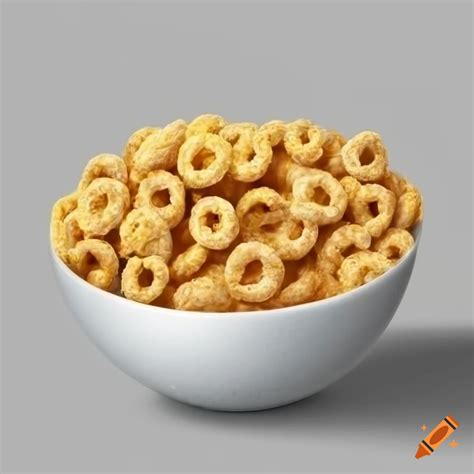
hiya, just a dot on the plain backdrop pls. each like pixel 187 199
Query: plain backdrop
pixel 79 77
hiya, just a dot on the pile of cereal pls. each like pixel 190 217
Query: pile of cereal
pixel 218 216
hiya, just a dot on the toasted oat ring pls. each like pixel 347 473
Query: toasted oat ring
pixel 331 256
pixel 72 230
pixel 301 290
pixel 135 142
pixel 255 205
pixel 386 202
pixel 292 238
pixel 161 180
pixel 193 146
pixel 409 208
pixel 245 166
pixel 331 159
pixel 306 154
pixel 101 269
pixel 266 137
pixel 102 206
pixel 206 123
pixel 362 267
pixel 188 263
pixel 103 166
pixel 133 289
pixel 144 232
pixel 273 272
pixel 265 217
pixel 365 147
pixel 205 293
pixel 160 149
pixel 217 235
pixel 303 193
pixel 59 238
pixel 394 243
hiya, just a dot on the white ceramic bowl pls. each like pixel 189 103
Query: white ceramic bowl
pixel 238 361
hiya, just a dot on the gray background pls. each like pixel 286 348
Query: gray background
pixel 79 77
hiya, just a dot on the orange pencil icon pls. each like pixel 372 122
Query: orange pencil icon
pixel 441 433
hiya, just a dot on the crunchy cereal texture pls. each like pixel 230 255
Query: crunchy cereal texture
pixel 218 216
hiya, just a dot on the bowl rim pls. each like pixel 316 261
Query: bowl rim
pixel 279 312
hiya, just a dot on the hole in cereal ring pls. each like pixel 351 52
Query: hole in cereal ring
pixel 393 252
pixel 320 196
pixel 203 159
pixel 367 156
pixel 304 137
pixel 271 228
pixel 374 208
pixel 253 273
pixel 90 261
pixel 296 229
pixel 212 221
pixel 99 203
pixel 161 198
pixel 145 278
pixel 251 157
pixel 349 251
pixel 233 140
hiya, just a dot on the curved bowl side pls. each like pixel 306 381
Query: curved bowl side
pixel 238 361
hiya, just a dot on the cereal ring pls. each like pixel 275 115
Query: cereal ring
pixel 95 261
pixel 272 275
pixel 362 267
pixel 342 240
pixel 139 285
pixel 192 147
pixel 205 293
pixel 143 232
pixel 304 142
pixel 72 230
pixel 206 123
pixel 394 243
pixel 409 208
pixel 331 159
pixel 264 140
pixel 172 208
pixel 375 219
pixel 255 205
pixel 245 166
pixel 135 142
pixel 103 166
pixel 216 235
pixel 102 206
pixel 365 157
pixel 304 194
pixel 186 264
pixel 264 216
pixel 351 186
pixel 159 150
pixel 301 289
pixel 59 238
pixel 227 188
pixel 292 238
